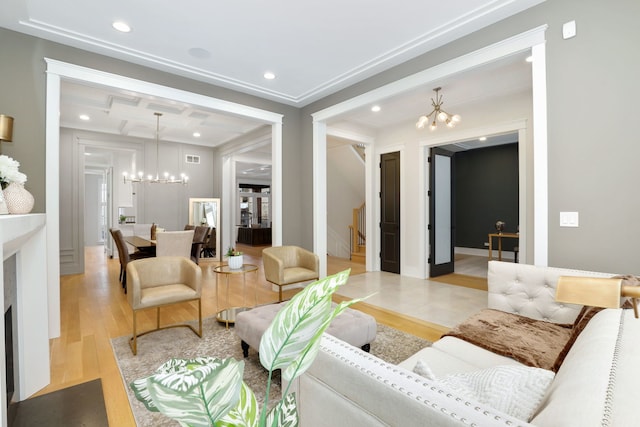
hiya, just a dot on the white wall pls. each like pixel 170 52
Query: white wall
pixel 345 192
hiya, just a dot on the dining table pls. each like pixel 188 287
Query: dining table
pixel 142 244
pixel 145 245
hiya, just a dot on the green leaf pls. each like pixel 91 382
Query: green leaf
pixel 294 335
pixel 245 414
pixel 196 392
pixel 285 413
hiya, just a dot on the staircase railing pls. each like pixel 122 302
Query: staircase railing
pixel 357 230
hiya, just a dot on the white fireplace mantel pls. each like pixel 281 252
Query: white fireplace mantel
pixel 25 237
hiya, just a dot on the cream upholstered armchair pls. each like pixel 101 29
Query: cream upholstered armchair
pixel 161 281
pixel 285 265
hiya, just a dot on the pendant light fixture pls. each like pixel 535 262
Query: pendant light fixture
pixel 166 178
pixel 438 114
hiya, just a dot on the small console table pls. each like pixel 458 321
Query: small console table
pixel 500 236
pixel 228 315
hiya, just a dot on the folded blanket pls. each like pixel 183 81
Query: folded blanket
pixel 531 342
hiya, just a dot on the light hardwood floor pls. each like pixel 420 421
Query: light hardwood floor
pixel 94 310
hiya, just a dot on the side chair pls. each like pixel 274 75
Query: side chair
pixel 174 243
pixel 124 256
pixel 199 237
pixel 159 282
pixel 286 265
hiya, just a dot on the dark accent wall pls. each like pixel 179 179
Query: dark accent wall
pixel 486 190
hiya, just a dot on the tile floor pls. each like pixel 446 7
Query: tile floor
pixel 434 302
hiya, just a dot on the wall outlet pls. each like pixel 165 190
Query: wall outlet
pixel 569 219
pixel 486 244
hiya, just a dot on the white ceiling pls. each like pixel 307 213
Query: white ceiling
pixel 314 48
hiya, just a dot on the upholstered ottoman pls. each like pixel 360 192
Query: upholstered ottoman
pixel 351 326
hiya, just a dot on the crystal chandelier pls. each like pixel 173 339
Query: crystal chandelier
pixel 166 178
pixel 438 114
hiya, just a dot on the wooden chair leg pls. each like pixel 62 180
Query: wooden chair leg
pixel 157 317
pixel 134 339
pixel 279 293
pixel 200 318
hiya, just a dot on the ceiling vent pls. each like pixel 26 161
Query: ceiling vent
pixel 192 159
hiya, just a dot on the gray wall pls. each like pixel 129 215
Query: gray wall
pixel 593 147
pixel 24 99
pixel 592 96
pixel 92 229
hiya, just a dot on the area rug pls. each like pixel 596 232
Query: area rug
pixel 154 349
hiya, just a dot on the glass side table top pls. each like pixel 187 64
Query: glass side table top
pixel 225 269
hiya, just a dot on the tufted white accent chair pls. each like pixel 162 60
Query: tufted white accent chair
pixel 508 292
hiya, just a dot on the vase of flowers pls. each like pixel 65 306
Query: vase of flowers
pixel 234 258
pixel 17 198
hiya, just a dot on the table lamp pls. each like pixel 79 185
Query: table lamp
pixel 6 128
pixel 596 291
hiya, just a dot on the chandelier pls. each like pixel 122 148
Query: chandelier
pixel 438 114
pixel 166 178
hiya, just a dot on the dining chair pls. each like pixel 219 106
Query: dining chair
pixel 174 243
pixel 162 281
pixel 124 256
pixel 199 237
pixel 209 247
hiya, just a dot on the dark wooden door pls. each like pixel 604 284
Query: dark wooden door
pixel 390 212
pixel 441 212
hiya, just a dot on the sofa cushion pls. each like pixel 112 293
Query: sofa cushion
pixel 451 356
pixel 597 385
pixel 514 390
pixel 530 290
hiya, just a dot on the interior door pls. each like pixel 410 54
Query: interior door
pixel 441 212
pixel 390 212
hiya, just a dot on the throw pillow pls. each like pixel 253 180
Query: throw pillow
pixel 514 390
pixel 423 370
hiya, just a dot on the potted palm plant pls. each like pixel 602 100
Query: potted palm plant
pixel 210 392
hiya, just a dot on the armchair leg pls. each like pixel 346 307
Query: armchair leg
pixel 134 339
pixel 200 317
pixel 133 342
pixel 279 293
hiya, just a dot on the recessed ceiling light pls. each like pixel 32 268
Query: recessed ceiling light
pixel 529 59
pixel 269 75
pixel 482 138
pixel 121 26
pixel 84 117
pixel 196 134
pixel 375 108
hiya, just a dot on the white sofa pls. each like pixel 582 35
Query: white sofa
pixel 597 384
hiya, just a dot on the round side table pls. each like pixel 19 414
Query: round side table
pixel 228 315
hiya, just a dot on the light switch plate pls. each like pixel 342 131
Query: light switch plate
pixel 569 30
pixel 569 219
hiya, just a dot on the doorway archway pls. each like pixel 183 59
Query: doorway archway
pixel 57 71
pixel 533 40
